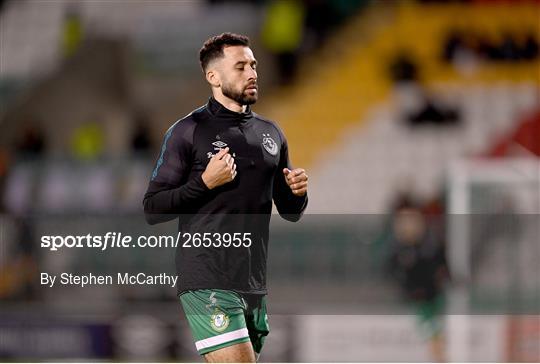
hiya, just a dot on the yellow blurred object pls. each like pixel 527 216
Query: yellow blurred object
pixel 283 26
pixel 88 141
pixel 72 35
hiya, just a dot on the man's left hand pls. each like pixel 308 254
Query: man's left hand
pixel 297 180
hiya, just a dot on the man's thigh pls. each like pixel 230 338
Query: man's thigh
pixel 238 353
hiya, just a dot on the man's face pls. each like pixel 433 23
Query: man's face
pixel 238 75
pixel 409 226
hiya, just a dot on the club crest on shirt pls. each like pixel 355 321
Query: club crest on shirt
pixel 219 320
pixel 269 144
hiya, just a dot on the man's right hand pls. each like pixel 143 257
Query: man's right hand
pixel 220 170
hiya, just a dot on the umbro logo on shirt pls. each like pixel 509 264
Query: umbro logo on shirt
pixel 219 144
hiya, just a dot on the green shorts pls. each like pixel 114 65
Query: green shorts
pixel 429 316
pixel 220 318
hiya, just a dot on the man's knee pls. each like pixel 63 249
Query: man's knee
pixel 239 353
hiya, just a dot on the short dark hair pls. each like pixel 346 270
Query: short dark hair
pixel 213 47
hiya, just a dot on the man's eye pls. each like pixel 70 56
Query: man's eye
pixel 240 68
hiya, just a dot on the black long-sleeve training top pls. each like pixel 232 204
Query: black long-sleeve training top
pixel 242 206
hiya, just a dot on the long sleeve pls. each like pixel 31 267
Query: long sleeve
pixel 289 206
pixel 169 192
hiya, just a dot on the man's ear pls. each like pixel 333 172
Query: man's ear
pixel 212 76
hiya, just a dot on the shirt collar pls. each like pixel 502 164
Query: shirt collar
pixel 221 112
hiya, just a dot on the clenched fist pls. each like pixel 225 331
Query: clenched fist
pixel 220 170
pixel 296 180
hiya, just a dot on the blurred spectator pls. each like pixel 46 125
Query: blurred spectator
pixel 31 142
pixel 282 35
pixel 320 18
pixel 453 44
pixel 140 142
pixel 508 48
pixel 528 47
pixel 419 265
pixel 417 106
pixel 505 47
pixel 72 32
pixel 4 167
pixel 487 47
pixel 18 267
pixel 403 68
pixel 432 113
pixel 294 25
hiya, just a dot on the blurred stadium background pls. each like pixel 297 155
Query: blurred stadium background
pixel 418 123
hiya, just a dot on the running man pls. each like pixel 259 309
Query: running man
pixel 218 171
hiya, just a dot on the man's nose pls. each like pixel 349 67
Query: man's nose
pixel 252 74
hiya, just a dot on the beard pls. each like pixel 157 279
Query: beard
pixel 240 96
